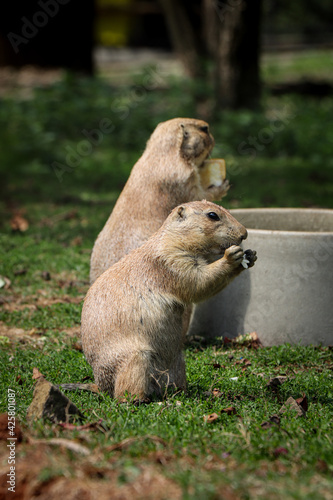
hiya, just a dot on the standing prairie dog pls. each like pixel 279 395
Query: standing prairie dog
pixel 166 175
pixel 132 317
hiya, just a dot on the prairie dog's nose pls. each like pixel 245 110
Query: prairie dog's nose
pixel 244 234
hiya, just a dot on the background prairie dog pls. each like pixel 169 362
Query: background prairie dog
pixel 166 175
pixel 132 318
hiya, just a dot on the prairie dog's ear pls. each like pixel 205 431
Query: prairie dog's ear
pixel 185 132
pixel 181 212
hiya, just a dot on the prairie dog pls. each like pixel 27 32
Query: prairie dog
pixel 132 317
pixel 166 175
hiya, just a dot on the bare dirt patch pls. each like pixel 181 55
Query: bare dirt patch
pixel 26 336
pixel 34 302
pixel 14 334
pixel 46 473
pixel 23 81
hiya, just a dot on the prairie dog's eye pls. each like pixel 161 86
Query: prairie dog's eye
pixel 213 216
pixel 204 128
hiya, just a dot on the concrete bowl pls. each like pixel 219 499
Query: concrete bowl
pixel 288 295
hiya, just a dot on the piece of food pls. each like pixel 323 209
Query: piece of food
pixel 245 262
pixel 213 173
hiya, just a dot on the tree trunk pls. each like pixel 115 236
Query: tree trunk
pixel 183 36
pixel 230 36
pixel 237 53
pixel 210 26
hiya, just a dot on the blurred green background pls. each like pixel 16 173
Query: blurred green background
pixel 69 141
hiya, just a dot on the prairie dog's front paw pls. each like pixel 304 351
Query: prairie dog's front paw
pixel 234 255
pixel 224 188
pixel 218 192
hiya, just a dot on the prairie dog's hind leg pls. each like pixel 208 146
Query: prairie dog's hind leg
pixel 134 377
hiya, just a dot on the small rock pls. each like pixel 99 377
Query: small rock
pixel 49 402
pixel 291 403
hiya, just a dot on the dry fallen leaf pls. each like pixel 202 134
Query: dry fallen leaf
pixel 249 340
pixel 273 420
pixel 216 393
pixel 266 425
pixel 46 275
pixel 231 410
pixel 211 418
pixel 20 272
pixel 19 223
pixel 217 365
pixel 76 242
pixel 91 426
pixel 280 451
pixel 254 341
pixel 66 443
pixel 322 466
pixel 244 361
pixel 276 381
pixel 131 440
pixel 303 402
pixel 5 282
pixel 36 374
pixel 78 346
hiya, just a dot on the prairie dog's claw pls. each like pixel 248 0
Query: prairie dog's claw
pixel 249 258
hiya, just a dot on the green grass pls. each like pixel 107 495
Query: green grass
pixel 199 448
pixel 280 156
pixel 292 66
pixel 45 155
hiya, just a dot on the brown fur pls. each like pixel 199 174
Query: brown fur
pixel 166 175
pixel 132 318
